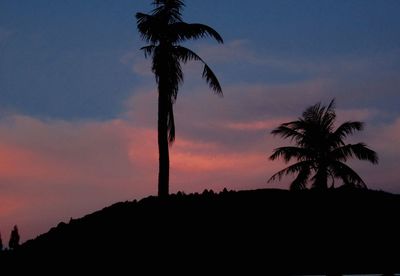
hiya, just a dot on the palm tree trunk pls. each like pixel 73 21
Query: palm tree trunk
pixel 163 150
pixel 321 178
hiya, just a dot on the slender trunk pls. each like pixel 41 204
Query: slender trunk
pixel 163 150
pixel 321 177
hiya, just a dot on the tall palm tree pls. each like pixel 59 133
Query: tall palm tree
pixel 164 30
pixel 320 150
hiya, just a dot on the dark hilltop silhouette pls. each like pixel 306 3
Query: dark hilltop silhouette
pixel 327 230
pixel 269 231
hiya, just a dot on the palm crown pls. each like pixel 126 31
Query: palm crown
pixel 320 149
pixel 164 29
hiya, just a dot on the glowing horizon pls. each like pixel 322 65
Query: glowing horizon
pixel 78 101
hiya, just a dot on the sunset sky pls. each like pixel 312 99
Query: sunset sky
pixel 78 101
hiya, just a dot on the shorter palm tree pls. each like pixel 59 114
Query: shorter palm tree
pixel 320 150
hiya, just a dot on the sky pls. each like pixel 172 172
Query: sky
pixel 78 100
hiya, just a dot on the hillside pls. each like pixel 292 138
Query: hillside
pixel 307 232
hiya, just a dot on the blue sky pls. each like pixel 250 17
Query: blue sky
pixel 61 58
pixel 78 100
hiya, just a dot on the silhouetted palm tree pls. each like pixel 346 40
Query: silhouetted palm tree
pixel 320 150
pixel 164 30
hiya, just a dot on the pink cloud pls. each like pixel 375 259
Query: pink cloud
pixel 256 125
pixel 139 64
pixel 51 170
pixel 55 170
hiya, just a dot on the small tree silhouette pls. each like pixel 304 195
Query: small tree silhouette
pixel 1 243
pixel 14 238
pixel 320 149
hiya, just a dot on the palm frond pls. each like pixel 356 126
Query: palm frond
pixel 320 115
pixel 312 113
pixel 171 123
pixel 359 150
pixel 185 31
pixel 212 80
pixel 148 27
pixel 290 152
pixel 345 129
pixel 347 174
pixel 329 116
pixel 297 167
pixel 184 54
pixel 148 50
pixel 287 132
pixel 362 152
pixel 300 183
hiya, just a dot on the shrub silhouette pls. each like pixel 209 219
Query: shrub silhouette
pixel 320 149
pixel 14 238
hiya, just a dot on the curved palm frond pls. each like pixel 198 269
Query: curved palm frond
pixel 287 132
pixel 184 54
pixel 329 116
pixel 212 80
pixel 149 27
pixel 300 183
pixel 297 167
pixel 347 174
pixel 148 50
pixel 171 123
pixel 290 152
pixel 362 152
pixel 359 150
pixel 175 78
pixel 348 128
pixel 321 116
pixel 300 124
pixel 185 31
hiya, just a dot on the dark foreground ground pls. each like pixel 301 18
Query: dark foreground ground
pixel 270 232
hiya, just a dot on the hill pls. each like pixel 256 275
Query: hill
pixel 306 232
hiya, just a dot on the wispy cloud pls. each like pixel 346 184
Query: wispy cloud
pixel 255 125
pixel 139 64
pixel 232 51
